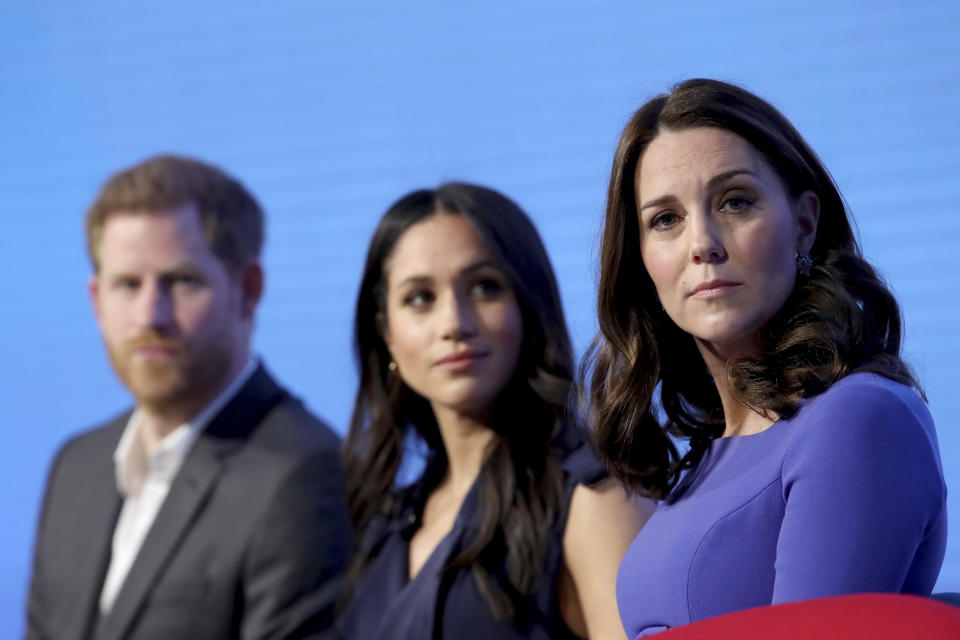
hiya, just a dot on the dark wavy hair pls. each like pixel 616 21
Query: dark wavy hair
pixel 520 483
pixel 839 319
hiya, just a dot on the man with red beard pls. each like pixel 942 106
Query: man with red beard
pixel 214 508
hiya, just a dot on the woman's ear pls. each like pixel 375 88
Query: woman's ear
pixel 807 213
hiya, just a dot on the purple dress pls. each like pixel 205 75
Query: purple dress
pixel 436 604
pixel 846 496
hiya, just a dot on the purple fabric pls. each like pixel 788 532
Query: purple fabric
pixel 846 496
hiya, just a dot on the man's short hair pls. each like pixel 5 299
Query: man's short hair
pixel 232 219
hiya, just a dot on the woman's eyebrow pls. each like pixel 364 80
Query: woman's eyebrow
pixel 711 184
pixel 656 202
pixel 726 175
pixel 470 268
pixel 415 279
pixel 480 264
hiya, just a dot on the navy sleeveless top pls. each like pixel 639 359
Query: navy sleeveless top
pixel 438 604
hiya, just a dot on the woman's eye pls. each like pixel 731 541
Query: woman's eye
pixel 487 287
pixel 664 220
pixel 418 299
pixel 736 203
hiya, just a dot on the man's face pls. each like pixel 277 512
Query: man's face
pixel 175 321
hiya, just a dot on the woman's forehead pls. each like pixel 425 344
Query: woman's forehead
pixel 443 245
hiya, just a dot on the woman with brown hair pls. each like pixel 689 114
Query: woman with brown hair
pixel 738 314
pixel 511 531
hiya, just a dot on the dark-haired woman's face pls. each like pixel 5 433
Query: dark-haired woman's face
pixel 453 325
pixel 719 235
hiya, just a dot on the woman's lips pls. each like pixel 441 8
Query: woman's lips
pixel 713 289
pixel 459 361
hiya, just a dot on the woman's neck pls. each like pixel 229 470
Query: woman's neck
pixel 467 440
pixel 739 419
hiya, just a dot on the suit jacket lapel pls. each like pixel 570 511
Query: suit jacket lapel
pixel 227 431
pixel 97 511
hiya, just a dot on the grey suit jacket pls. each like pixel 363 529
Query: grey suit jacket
pixel 250 542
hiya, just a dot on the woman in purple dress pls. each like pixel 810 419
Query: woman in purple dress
pixel 737 313
pixel 511 531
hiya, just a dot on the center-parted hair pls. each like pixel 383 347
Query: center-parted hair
pixel 520 483
pixel 839 319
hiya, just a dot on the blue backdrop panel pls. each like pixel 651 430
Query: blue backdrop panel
pixel 329 111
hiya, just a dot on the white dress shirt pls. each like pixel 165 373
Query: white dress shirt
pixel 144 479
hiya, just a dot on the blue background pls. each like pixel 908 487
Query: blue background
pixel 331 110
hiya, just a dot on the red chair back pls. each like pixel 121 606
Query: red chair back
pixel 877 616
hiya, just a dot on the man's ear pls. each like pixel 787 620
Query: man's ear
pixel 807 212
pixel 93 292
pixel 251 287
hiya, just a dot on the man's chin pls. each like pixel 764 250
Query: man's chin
pixel 170 385
pixel 157 392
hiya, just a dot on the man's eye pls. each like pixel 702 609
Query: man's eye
pixel 187 280
pixel 127 284
pixel 184 281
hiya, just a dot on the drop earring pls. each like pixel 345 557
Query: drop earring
pixel 804 263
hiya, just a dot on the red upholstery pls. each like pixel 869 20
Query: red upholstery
pixel 877 616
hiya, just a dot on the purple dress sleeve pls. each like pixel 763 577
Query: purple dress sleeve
pixel 864 495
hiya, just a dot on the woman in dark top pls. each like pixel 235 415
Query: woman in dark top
pixel 734 296
pixel 462 347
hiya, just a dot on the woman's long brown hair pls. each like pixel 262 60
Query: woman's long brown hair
pixel 839 319
pixel 520 483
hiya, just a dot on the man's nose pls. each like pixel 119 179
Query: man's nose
pixel 156 307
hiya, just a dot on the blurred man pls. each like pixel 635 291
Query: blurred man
pixel 214 508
